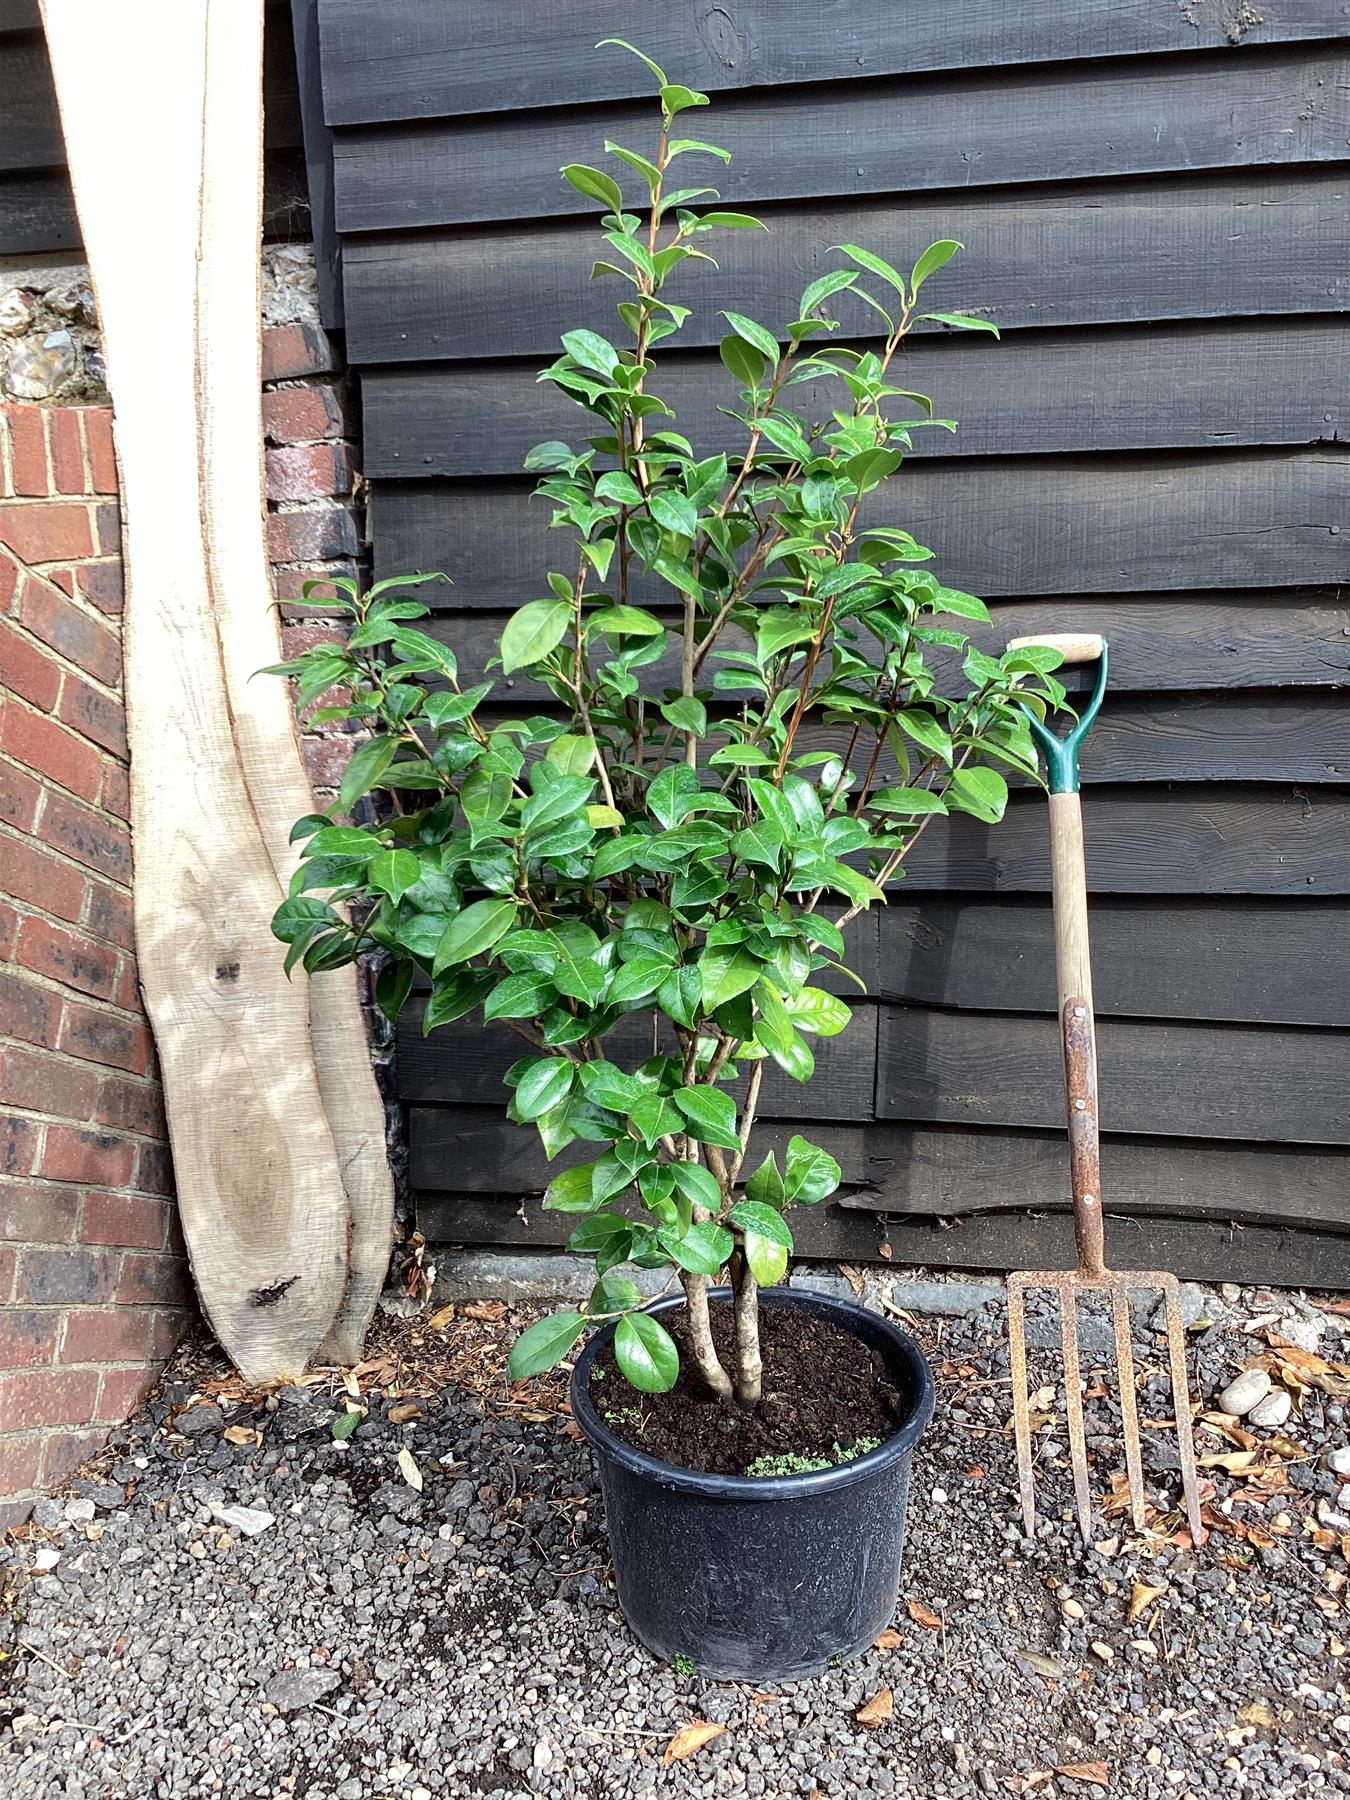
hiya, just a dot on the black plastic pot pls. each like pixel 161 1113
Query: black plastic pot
pixel 761 1579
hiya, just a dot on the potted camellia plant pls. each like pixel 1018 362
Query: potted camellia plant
pixel 651 883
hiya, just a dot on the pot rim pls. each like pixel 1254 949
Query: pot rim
pixel 808 1485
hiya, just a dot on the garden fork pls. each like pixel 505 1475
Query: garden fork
pixel 1078 1034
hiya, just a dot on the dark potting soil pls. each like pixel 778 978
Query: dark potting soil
pixel 826 1396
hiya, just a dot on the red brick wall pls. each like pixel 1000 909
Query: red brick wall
pixel 93 1282
pixel 91 1275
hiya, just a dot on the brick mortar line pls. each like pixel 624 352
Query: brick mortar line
pixel 10 759
pixel 29 909
pixel 26 837
pixel 77 599
pixel 50 985
pixel 33 1116
pixel 62 661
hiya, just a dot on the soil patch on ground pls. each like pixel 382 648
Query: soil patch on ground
pixel 827 1397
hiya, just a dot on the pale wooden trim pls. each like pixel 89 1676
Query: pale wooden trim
pixel 263 721
pixel 259 1186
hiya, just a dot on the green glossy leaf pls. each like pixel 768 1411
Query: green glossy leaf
pixel 932 259
pixel 765 1186
pixel 710 1115
pixel 595 184
pixel 963 322
pixel 519 997
pixel 364 770
pixel 703 1249
pixel 686 714
pixel 646 1353
pixel 591 351
pixel 810 1173
pixel 815 1010
pixel 981 792
pixel 393 872
pixel 534 631
pixel 698 1185
pixel 754 1215
pixel 571 1191
pixel 874 264
pixel 766 1260
pixel 573 755
pixel 545 1084
pixel 625 621
pixel 612 1294
pixel 726 973
pixel 675 512
pixel 544 1345
pixel 764 341
pixel 474 930
pixel 911 802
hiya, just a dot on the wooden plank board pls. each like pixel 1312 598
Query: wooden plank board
pixel 1147 841
pixel 1143 524
pixel 1251 737
pixel 1245 961
pixel 30 128
pixel 262 721
pixel 406 59
pixel 1188 644
pixel 37 214
pixel 1209 386
pixel 1271 1084
pixel 1271 243
pixel 259 1185
pixel 936 1171
pixel 318 146
pixel 1195 1249
pixel 465 1063
pixel 971 129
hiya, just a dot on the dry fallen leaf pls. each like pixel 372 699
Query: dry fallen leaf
pixel 1258 1713
pixel 1235 1461
pixel 688 1739
pixel 1141 1598
pixel 407 1463
pixel 405 1410
pixel 241 1434
pixel 923 1615
pixel 441 1318
pixel 878 1709
pixel 492 1310
pixel 1024 1784
pixel 889 1640
pixel 1042 1665
pixel 1095 1772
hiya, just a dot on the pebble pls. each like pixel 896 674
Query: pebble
pixel 1338 1461
pixel 1071 1609
pixel 249 1521
pixel 80 1511
pixel 295 1688
pixel 1243 1393
pixel 1299 1330
pixel 1273 1410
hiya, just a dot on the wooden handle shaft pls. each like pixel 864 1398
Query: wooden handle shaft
pixel 1073 646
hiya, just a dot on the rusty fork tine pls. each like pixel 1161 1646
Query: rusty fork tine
pixel 1181 1408
pixel 1021 1399
pixel 1129 1407
pixel 1073 1402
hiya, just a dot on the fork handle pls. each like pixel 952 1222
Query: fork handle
pixel 1073 967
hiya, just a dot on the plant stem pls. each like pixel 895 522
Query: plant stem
pixel 706 1359
pixel 749 1365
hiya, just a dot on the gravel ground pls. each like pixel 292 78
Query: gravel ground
pixel 346 1637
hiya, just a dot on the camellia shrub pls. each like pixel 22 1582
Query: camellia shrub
pixel 736 645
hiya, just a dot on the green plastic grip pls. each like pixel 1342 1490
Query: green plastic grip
pixel 1061 753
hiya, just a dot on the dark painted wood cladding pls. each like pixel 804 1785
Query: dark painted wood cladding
pixel 1002 527
pixel 1155 204
pixel 1213 386
pixel 1268 242
pixel 37 211
pixel 411 59
pixel 1024 125
pixel 1179 644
